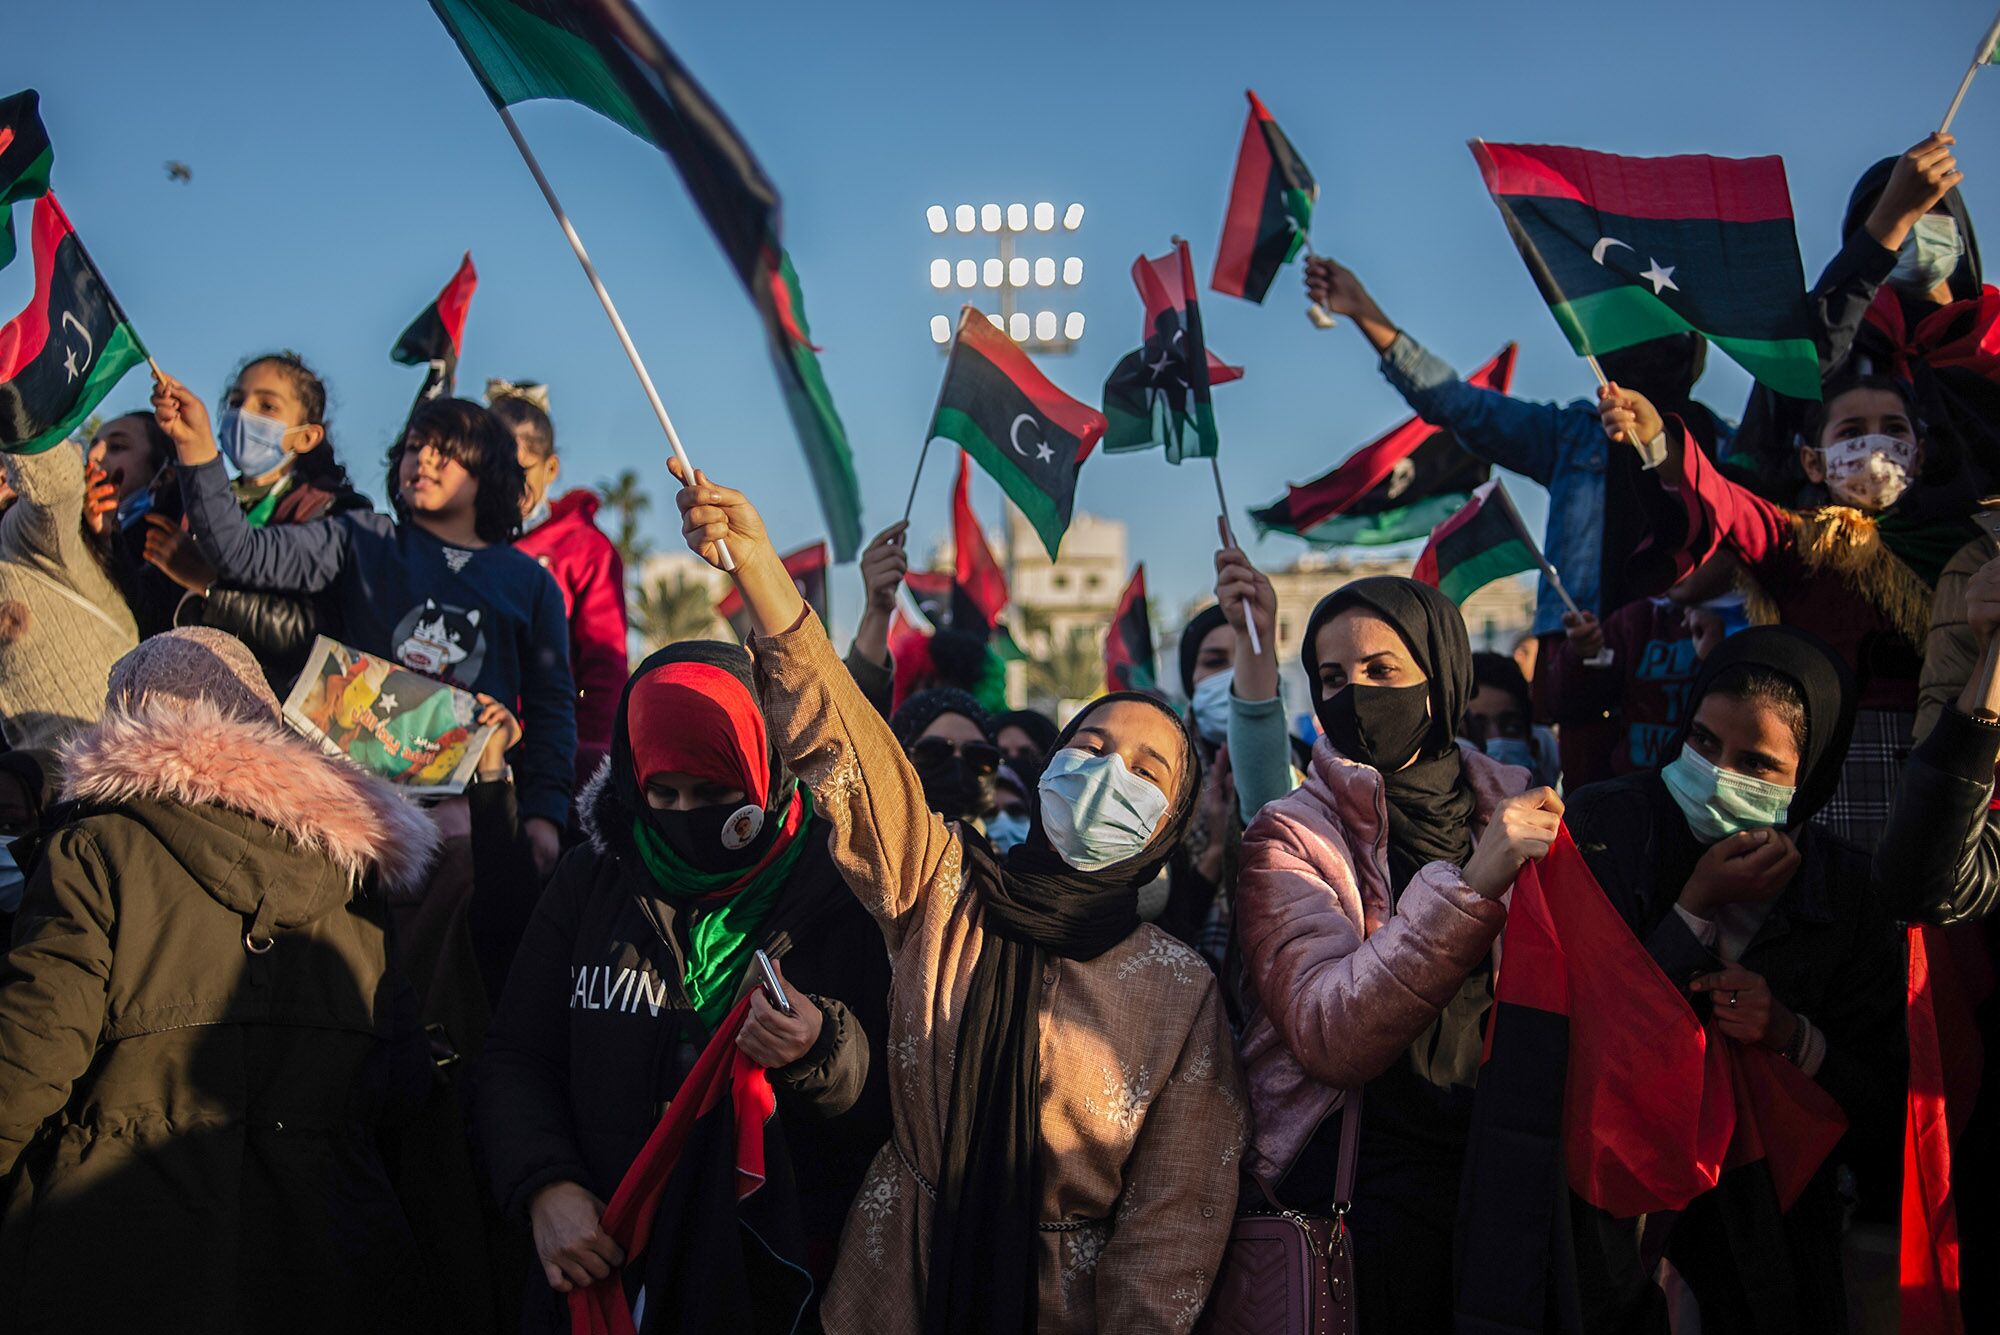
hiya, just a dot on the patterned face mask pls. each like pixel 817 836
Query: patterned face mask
pixel 1869 472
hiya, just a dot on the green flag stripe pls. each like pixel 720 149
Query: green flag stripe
pixel 1036 504
pixel 1475 573
pixel 33 180
pixel 122 352
pixel 520 57
pixel 1618 317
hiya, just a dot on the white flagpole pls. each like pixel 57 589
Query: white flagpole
pixel 1229 534
pixel 1535 549
pixel 1978 59
pixel 604 298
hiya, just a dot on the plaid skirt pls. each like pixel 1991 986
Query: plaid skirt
pixel 1869 778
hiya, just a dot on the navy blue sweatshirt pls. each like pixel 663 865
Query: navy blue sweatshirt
pixel 489 620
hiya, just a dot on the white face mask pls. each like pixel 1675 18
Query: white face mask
pixel 1095 812
pixel 1868 472
pixel 1211 706
pixel 1929 255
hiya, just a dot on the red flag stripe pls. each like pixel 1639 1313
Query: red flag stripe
pixel 977 334
pixel 1168 284
pixel 973 566
pixel 1246 204
pixel 24 337
pixel 1687 186
pixel 456 298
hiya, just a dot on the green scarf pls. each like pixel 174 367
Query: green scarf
pixel 257 510
pixel 1925 546
pixel 721 939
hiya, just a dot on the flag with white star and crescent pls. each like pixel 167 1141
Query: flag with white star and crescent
pixel 1029 435
pixel 1159 394
pixel 63 354
pixel 1630 249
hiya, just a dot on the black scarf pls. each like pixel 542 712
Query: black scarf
pixel 1033 905
pixel 1430 804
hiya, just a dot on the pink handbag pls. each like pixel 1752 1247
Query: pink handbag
pixel 1286 1272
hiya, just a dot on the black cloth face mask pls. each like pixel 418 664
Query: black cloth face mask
pixel 1381 726
pixel 955 788
pixel 696 836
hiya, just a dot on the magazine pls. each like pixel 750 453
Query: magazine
pixel 419 733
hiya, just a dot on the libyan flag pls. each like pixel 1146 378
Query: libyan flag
pixel 1483 542
pixel 1159 394
pixel 807 567
pixel 1027 434
pixel 25 159
pixel 1396 488
pixel 605 56
pixel 973 568
pixel 62 355
pixel 1630 249
pixel 1600 1078
pixel 436 336
pixel 1270 209
pixel 1128 646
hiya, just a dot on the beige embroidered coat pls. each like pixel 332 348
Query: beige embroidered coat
pixel 1143 1112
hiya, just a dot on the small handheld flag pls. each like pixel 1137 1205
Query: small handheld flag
pixel 1027 434
pixel 1270 209
pixel 65 352
pixel 25 159
pixel 1129 664
pixel 1481 543
pixel 1630 249
pixel 1160 393
pixel 435 338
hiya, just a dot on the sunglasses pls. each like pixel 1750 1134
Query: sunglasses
pixel 981 757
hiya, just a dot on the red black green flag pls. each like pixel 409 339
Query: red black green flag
pixel 604 55
pixel 973 567
pixel 436 336
pixel 807 567
pixel 1030 436
pixel 25 158
pixel 1630 249
pixel 1160 393
pixel 1481 543
pixel 1128 646
pixel 1396 488
pixel 62 355
pixel 1270 209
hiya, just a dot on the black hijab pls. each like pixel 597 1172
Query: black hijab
pixel 1430 804
pixel 1205 623
pixel 1823 683
pixel 983 1251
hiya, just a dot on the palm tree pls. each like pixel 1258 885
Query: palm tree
pixel 670 610
pixel 625 495
pixel 1069 669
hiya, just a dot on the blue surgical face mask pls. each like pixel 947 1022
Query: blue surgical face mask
pixel 1720 802
pixel 1929 255
pixel 1512 751
pixel 253 444
pixel 1005 830
pixel 135 507
pixel 1095 811
pixel 1211 706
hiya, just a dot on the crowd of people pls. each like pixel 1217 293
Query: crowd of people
pixel 1043 1006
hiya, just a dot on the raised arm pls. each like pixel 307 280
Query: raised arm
pixel 890 847
pixel 1260 751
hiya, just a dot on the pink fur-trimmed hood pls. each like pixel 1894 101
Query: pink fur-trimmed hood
pixel 194 754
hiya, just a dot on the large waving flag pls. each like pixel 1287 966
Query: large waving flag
pixel 603 55
pixel 1030 436
pixel 1270 208
pixel 63 354
pixel 25 159
pixel 1630 249
pixel 1160 394
pixel 1396 488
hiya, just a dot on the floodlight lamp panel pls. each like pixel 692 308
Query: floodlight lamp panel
pixel 1017 217
pixel 1072 271
pixel 966 217
pixel 968 273
pixel 936 217
pixel 989 217
pixel 1045 216
pixel 1072 217
pixel 940 329
pixel 1073 326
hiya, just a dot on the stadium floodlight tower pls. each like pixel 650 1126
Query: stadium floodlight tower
pixel 1045 282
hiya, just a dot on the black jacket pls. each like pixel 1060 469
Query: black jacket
pixel 1830 952
pixel 593 1034
pixel 1938 860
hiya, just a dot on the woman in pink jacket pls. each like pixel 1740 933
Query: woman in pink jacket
pixel 1369 911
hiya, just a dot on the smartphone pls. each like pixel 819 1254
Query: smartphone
pixel 774 991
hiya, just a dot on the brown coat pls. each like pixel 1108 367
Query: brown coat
pixel 1143 1112
pixel 1951 650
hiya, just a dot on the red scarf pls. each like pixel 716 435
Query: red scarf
pixel 1964 335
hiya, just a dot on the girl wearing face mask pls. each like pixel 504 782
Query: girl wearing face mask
pixel 1367 910
pixel 701 849
pixel 1857 572
pixel 1776 931
pixel 274 434
pixel 949 740
pixel 1067 1110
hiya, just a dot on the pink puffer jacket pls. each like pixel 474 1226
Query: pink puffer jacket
pixel 1341 985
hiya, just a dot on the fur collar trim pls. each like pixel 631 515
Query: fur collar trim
pixel 599 814
pixel 1844 542
pixel 195 754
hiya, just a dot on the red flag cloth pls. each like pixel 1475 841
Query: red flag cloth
pixel 1129 664
pixel 1964 334
pixel 1168 284
pixel 1654 1107
pixel 974 568
pixel 721 1072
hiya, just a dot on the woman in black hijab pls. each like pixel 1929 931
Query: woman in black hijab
pixel 1067 1113
pixel 1367 911
pixel 949 739
pixel 1772 925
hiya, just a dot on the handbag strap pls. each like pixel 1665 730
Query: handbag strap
pixel 1350 1144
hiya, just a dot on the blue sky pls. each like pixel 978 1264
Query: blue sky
pixel 343 157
